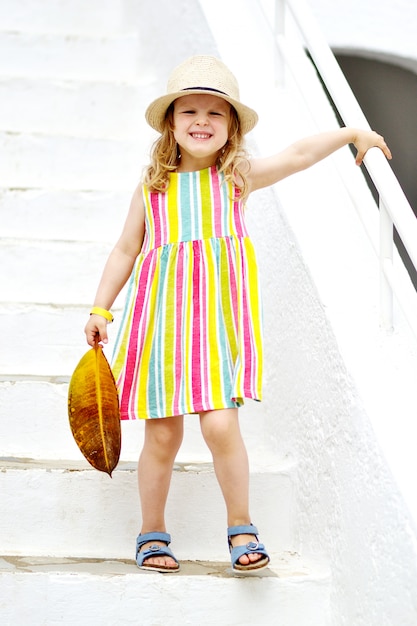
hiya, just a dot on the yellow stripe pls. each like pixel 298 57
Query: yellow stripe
pixel 230 207
pixel 150 220
pixel 169 338
pixel 205 199
pixel 255 306
pixel 172 209
pixel 225 276
pixel 240 328
pixel 187 325
pixel 214 373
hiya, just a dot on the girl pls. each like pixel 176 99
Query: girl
pixel 191 339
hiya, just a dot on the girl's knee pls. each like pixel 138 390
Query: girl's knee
pixel 164 433
pixel 220 428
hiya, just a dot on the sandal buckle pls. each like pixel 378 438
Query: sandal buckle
pixel 154 547
pixel 252 545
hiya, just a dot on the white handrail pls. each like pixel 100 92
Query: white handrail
pixel 394 206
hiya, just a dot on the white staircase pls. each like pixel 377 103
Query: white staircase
pixel 72 138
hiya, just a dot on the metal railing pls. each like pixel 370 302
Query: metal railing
pixel 394 208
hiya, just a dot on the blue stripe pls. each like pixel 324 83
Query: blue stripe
pixel 186 232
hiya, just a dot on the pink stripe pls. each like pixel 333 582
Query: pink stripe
pixel 145 244
pixel 179 297
pixel 247 345
pixel 239 220
pixel 142 330
pixel 196 331
pixel 136 335
pixel 217 202
pixel 232 279
pixel 163 207
pixel 154 200
pixel 205 344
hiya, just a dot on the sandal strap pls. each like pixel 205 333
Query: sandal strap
pixel 154 550
pixel 154 536
pixel 250 548
pixel 247 529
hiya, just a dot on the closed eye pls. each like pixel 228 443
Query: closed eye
pixel 193 112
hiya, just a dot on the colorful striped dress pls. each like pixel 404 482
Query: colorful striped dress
pixel 191 334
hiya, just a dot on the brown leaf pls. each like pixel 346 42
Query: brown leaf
pixel 93 410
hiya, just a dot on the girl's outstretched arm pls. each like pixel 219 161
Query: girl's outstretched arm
pixel 118 268
pixel 306 152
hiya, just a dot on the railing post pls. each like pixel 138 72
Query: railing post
pixel 386 247
pixel 279 31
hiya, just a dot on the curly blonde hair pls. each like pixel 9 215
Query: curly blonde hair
pixel 232 160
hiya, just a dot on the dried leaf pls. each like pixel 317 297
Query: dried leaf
pixel 93 410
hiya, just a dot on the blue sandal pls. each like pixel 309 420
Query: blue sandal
pixel 250 548
pixel 154 550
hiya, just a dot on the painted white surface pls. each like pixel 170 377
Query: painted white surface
pixel 57 162
pixel 379 28
pixel 86 514
pixel 72 108
pixel 329 372
pixel 340 396
pixel 59 16
pixel 25 54
pixel 69 215
pixel 41 429
pixel 118 593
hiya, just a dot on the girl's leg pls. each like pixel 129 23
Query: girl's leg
pixel 163 438
pixel 221 432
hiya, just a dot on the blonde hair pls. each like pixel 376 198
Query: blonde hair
pixel 232 160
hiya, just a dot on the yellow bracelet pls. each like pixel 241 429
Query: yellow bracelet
pixel 96 310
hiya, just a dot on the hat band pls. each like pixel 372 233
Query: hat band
pixel 206 89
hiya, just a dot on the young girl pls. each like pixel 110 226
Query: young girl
pixel 191 339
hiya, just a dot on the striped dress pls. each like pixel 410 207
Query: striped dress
pixel 191 334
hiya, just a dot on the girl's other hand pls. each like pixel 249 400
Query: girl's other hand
pixel 366 139
pixel 96 330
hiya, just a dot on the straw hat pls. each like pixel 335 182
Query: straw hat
pixel 201 74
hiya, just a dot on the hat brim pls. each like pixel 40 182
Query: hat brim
pixel 156 111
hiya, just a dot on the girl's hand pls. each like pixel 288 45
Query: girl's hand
pixel 366 139
pixel 96 330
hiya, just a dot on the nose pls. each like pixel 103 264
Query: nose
pixel 202 119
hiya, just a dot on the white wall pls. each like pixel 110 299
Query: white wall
pixel 382 29
pixel 326 363
pixel 339 395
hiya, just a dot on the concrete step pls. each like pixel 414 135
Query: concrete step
pixel 72 510
pixel 73 163
pixel 45 341
pixel 109 593
pixel 59 16
pixel 69 57
pixel 71 215
pixel 38 408
pixel 75 108
pixel 55 272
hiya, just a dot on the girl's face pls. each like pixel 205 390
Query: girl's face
pixel 201 128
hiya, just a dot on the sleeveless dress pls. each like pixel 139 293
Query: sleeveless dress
pixel 190 338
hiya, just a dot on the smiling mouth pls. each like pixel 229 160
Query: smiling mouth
pixel 200 135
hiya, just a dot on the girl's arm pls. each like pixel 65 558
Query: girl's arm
pixel 306 152
pixel 118 268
